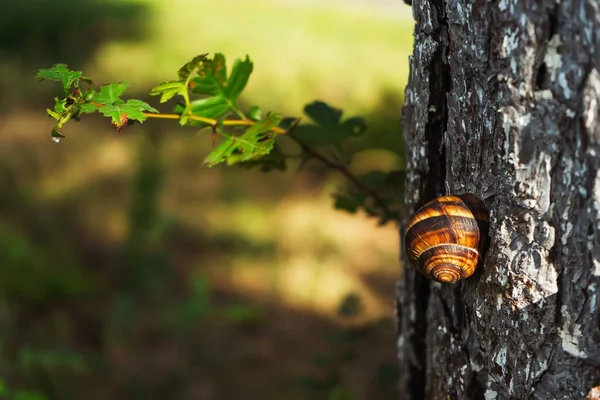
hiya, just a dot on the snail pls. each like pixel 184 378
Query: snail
pixel 445 238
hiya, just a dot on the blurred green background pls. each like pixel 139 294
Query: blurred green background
pixel 129 271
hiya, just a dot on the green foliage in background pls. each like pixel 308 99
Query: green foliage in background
pixel 207 96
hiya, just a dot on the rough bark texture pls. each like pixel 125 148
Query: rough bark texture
pixel 503 100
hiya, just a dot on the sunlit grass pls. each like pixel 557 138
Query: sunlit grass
pixel 301 51
pixel 318 256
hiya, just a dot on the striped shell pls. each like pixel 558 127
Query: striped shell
pixel 444 238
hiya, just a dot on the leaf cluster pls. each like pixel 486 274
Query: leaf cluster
pixel 209 95
pixel 206 97
pixel 83 96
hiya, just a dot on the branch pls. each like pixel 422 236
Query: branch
pixel 387 213
pixel 214 122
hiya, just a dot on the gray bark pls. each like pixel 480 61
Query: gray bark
pixel 503 100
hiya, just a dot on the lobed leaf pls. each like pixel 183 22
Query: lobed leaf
pixel 220 152
pixel 328 130
pixel 185 71
pixel 323 114
pixel 88 108
pixel 211 107
pixel 217 68
pixel 168 90
pixel 110 93
pixel 355 126
pixel 56 73
pixel 62 73
pixel 240 73
pixel 141 105
pixel 349 202
pixel 132 110
pixel 212 77
pixel 255 142
pixel 273 161
pixel 70 79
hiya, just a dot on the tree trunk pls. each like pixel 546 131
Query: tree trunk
pixel 503 101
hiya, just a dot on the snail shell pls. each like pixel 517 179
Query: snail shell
pixel 444 238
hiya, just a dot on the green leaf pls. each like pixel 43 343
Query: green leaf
pixel 185 71
pixel 355 126
pixel 168 90
pixel 118 114
pixel 237 149
pixel 141 105
pixel 109 94
pixel 374 179
pixel 62 73
pixel 107 100
pixel 240 73
pixel 53 114
pixel 322 113
pixel 257 132
pixel 220 152
pixel 70 79
pixel 255 142
pixel 88 94
pixel 88 108
pixel 351 306
pixel 211 78
pixel 255 113
pixel 210 107
pixel 217 68
pixel 109 103
pixel 389 188
pixel 121 113
pixel 56 73
pixel 274 161
pixel 315 136
pixel 287 122
pixel 348 201
pixel 328 130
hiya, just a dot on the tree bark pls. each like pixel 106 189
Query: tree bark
pixel 503 101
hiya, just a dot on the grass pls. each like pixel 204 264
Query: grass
pixel 301 52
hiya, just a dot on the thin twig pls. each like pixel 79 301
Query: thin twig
pixel 387 213
pixel 214 122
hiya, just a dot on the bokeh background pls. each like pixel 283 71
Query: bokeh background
pixel 130 271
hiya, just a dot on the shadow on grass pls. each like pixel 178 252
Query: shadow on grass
pixel 41 32
pixel 121 323
pixel 36 34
